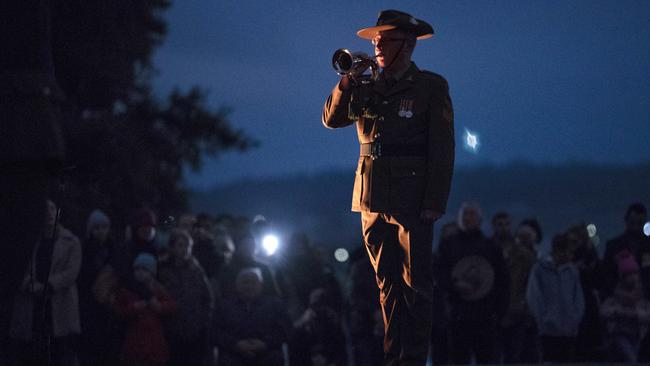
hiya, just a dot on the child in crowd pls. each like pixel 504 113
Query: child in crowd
pixel 142 303
pixel 556 301
pixel 626 313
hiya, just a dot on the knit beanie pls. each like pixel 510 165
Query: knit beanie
pixel 146 261
pixel 96 217
pixel 143 217
pixel 627 264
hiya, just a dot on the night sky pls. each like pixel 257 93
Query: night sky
pixel 542 81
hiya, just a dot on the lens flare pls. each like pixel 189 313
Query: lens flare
pixel 472 142
pixel 270 243
pixel 341 255
pixel 591 229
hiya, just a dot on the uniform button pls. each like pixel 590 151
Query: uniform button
pixel 377 135
pixel 413 172
pixel 46 91
pixel 384 102
pixel 381 118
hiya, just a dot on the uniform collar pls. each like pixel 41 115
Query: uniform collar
pixel 405 82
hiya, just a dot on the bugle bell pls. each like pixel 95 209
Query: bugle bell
pixel 354 64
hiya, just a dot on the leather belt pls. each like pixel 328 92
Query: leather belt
pixel 377 149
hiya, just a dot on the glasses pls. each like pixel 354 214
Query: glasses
pixel 375 41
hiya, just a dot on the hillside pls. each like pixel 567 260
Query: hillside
pixel 557 195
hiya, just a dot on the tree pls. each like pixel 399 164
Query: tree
pixel 127 147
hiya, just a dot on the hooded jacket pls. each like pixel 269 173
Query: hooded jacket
pixel 555 298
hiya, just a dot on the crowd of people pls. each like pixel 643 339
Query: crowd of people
pixel 200 294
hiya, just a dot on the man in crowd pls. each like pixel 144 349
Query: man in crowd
pixel 474 275
pixel 187 330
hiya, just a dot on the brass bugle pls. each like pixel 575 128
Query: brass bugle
pixel 350 63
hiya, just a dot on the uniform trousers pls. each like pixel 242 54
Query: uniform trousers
pixel 399 247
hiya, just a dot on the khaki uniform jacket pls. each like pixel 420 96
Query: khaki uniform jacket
pixel 416 111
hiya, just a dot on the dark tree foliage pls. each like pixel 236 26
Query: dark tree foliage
pixel 128 148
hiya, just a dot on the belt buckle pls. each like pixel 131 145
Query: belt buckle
pixel 375 150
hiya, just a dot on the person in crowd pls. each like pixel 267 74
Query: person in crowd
pixel 447 231
pixel 364 315
pixel 187 222
pixel 224 244
pixel 589 343
pixel 143 302
pixel 439 330
pixel 319 328
pixel 182 276
pixel 45 316
pixel 98 345
pixel 556 300
pixel 299 271
pixel 244 256
pixel 539 235
pixel 502 230
pixel 626 313
pixel 632 240
pixel 518 330
pixel 140 238
pixel 205 251
pixel 474 276
pixel 251 326
pixel 224 250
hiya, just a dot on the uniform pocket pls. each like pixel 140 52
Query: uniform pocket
pixel 407 182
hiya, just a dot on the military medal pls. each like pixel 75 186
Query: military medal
pixel 405 108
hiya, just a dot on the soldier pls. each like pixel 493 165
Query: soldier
pixel 404 122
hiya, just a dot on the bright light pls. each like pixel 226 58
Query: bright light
pixel 646 229
pixel 270 243
pixel 471 141
pixel 591 229
pixel 341 255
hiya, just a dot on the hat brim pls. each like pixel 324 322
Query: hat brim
pixel 370 32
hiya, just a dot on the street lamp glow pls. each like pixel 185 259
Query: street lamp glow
pixel 270 243
pixel 341 255
pixel 646 229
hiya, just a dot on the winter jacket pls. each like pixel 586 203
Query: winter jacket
pixel 472 258
pixel 66 261
pixel 555 298
pixel 187 284
pixel 145 340
pixel 636 243
pixel 263 318
pixel 626 313
pixel 520 259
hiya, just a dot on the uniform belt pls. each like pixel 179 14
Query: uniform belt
pixel 377 149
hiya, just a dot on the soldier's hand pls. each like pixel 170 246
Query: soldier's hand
pixel 430 215
pixel 346 83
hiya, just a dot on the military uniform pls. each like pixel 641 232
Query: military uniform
pixel 407 153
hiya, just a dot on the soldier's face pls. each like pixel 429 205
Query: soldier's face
pixel 391 48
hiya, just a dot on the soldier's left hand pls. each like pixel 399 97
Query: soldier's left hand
pixel 430 215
